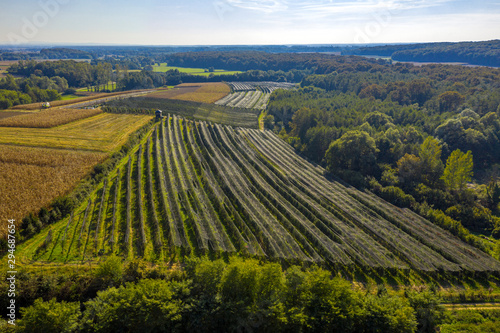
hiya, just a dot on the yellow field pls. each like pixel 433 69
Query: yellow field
pixel 104 132
pixel 91 97
pixel 31 178
pixel 48 118
pixel 206 93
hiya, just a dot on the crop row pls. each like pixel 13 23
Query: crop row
pixel 196 186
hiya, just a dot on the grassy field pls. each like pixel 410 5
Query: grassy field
pixel 69 97
pixel 31 178
pixel 111 86
pixel 48 118
pixel 4 65
pixel 103 132
pixel 196 92
pixel 194 71
pixel 198 188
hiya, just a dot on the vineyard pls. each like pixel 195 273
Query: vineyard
pixel 252 94
pixel 198 187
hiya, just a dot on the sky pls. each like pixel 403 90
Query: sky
pixel 234 22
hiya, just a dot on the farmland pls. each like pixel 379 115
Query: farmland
pixel 251 94
pixel 103 132
pixel 200 111
pixel 196 92
pixel 193 71
pixel 31 178
pixel 48 118
pixel 197 187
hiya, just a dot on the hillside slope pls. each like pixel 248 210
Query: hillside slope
pixel 201 187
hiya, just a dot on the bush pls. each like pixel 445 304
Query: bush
pixel 51 316
pixel 397 196
pixel 148 306
pixel 110 270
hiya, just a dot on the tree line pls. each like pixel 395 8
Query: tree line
pixel 217 296
pixel 485 53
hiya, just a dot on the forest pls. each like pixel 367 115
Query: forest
pixel 485 53
pixel 419 135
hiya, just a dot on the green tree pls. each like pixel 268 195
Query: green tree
pixel 493 194
pixel 110 270
pixel 430 159
pixel 355 150
pixel 409 169
pixel 51 316
pixel 148 306
pixel 458 170
pixel 450 100
pixel 428 310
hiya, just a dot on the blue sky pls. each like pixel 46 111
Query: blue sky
pixel 197 22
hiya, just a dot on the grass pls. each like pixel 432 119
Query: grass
pixel 193 71
pixel 48 118
pixel 69 97
pixel 31 178
pixel 111 86
pixel 104 132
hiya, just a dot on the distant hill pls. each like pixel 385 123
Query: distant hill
pixel 485 53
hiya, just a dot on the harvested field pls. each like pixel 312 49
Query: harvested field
pixel 31 178
pixel 196 92
pixel 172 93
pixel 104 132
pixel 8 114
pixel 37 106
pixel 47 118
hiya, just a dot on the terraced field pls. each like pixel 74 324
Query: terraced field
pixel 201 187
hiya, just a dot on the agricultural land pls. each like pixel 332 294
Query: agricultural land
pixel 251 94
pixel 290 192
pixel 200 187
pixel 196 92
pixel 193 71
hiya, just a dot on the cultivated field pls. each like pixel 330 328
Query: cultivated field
pixel 48 118
pixel 192 110
pixel 193 71
pixel 196 187
pixel 103 132
pixel 4 65
pixel 252 94
pixel 94 98
pixel 196 92
pixel 31 178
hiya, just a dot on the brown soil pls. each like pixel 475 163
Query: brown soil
pixel 177 91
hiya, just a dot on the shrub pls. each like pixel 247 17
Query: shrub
pixel 51 316
pixel 397 196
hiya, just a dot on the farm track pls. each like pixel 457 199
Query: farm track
pixel 199 187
